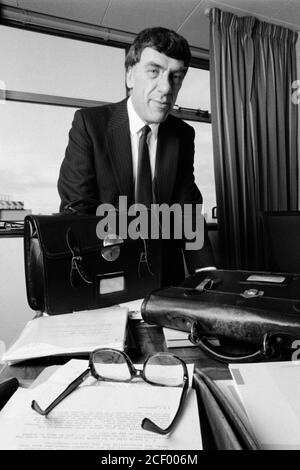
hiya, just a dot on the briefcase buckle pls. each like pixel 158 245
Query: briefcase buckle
pixel 250 293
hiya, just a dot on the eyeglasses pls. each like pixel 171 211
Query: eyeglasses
pixel 163 369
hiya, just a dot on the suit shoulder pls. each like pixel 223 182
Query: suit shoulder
pixel 103 116
pixel 180 126
pixel 93 112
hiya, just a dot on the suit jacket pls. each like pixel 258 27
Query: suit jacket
pixel 98 165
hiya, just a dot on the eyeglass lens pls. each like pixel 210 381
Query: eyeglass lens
pixel 111 365
pixel 164 369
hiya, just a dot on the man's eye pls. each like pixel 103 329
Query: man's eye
pixel 153 72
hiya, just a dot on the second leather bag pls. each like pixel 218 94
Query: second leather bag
pixel 253 315
pixel 68 268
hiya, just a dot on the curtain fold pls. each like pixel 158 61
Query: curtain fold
pixel 254 122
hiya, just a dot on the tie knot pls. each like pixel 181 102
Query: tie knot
pixel 145 131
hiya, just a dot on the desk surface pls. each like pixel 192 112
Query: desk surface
pixel 143 339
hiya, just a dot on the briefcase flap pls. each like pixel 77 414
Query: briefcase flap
pixel 251 286
pixel 52 232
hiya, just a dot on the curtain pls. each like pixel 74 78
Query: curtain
pixel 254 122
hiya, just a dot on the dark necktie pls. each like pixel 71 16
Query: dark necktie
pixel 143 194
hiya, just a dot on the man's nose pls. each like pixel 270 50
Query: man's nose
pixel 164 84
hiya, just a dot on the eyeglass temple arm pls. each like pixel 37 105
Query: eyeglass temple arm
pixel 149 425
pixel 73 385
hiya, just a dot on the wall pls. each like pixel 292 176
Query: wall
pixel 14 309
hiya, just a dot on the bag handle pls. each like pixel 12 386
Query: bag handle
pixel 272 344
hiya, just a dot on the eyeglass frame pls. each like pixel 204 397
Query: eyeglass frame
pixel 147 423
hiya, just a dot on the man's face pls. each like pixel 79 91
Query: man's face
pixel 155 82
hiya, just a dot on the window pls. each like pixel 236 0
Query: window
pixel 203 166
pixel 33 139
pixel 195 94
pixel 195 90
pixel 51 65
pixel 43 73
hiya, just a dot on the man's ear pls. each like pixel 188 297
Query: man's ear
pixel 129 77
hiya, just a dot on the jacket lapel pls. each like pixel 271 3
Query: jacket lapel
pixel 119 144
pixel 166 163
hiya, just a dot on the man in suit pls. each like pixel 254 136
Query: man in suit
pixel 101 160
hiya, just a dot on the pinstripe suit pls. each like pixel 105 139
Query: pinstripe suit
pixel 98 165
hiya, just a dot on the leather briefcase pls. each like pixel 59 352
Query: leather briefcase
pixel 254 315
pixel 68 268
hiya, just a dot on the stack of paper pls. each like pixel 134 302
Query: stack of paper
pixel 134 309
pixel 180 339
pixel 98 415
pixel 176 338
pixel 270 394
pixel 79 332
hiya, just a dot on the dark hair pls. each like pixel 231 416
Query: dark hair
pixel 163 40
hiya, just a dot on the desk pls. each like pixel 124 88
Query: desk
pixel 143 339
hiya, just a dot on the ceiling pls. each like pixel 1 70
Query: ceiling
pixel 185 16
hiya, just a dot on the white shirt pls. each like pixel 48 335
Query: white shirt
pixel 135 126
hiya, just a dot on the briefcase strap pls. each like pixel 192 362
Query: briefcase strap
pixel 77 272
pixel 144 261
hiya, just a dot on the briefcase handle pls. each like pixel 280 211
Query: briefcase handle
pixel 272 345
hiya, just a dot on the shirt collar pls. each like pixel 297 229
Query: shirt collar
pixel 136 123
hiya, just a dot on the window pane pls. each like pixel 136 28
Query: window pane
pixel 195 90
pixel 204 167
pixel 33 139
pixel 41 63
